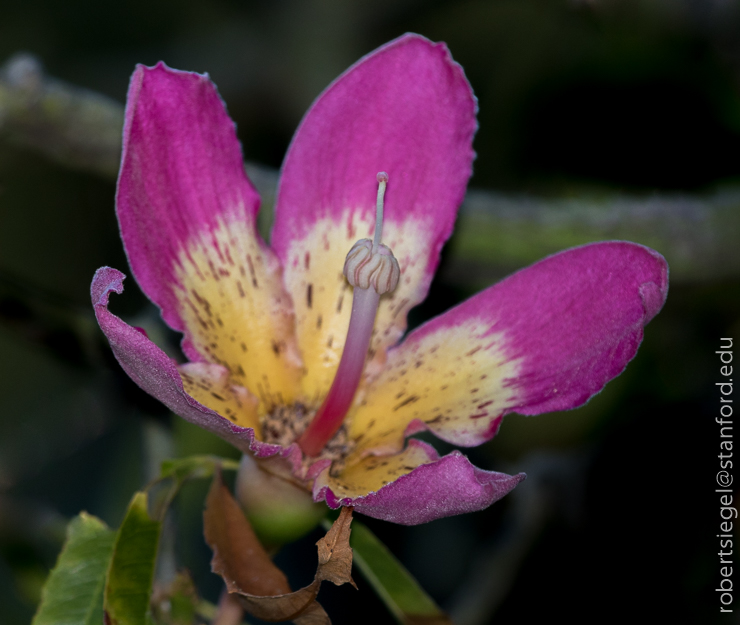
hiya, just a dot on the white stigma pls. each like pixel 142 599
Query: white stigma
pixel 382 182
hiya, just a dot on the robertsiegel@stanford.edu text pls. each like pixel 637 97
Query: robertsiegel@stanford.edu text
pixel 727 510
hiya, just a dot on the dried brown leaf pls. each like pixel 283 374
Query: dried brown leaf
pixel 335 554
pixel 238 556
pixel 249 573
pixel 293 606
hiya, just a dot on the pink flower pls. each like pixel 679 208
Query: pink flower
pixel 264 327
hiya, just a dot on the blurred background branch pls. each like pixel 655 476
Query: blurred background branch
pixel 75 127
pixel 496 232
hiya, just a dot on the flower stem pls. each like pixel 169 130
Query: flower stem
pixel 330 415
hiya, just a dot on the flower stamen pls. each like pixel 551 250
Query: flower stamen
pixel 368 264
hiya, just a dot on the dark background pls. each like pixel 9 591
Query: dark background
pixel 618 520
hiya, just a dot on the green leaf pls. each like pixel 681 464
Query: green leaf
pixel 400 592
pixel 131 571
pixel 73 594
pixel 182 469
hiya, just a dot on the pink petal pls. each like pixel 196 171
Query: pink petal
pixel 187 215
pixel 405 109
pixel 547 338
pixel 575 319
pixel 157 374
pixel 181 170
pixel 444 487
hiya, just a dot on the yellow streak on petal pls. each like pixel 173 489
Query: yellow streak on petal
pixel 323 299
pixel 374 472
pixel 452 379
pixel 237 312
pixel 210 385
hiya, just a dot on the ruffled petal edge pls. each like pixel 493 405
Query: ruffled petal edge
pixel 154 372
pixel 444 487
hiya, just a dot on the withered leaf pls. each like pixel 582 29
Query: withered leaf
pixel 335 554
pixel 249 573
pixel 237 554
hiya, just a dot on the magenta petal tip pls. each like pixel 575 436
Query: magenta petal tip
pixel 444 487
